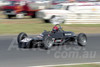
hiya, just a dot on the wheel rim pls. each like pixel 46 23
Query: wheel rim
pixel 21 37
pixel 48 42
pixel 83 40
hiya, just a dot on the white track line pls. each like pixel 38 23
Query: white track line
pixel 65 64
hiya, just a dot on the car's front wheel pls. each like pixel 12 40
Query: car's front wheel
pixel 82 39
pixel 20 37
pixel 48 42
pixel 9 16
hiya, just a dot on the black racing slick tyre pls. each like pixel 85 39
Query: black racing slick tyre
pixel 82 39
pixel 48 42
pixel 20 37
pixel 47 21
pixel 34 15
pixel 9 16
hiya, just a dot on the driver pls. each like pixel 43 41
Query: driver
pixel 55 29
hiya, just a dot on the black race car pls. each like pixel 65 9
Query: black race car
pixel 49 38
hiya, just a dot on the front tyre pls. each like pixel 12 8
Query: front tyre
pixel 82 39
pixel 20 37
pixel 48 42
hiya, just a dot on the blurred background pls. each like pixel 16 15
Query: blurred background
pixel 33 16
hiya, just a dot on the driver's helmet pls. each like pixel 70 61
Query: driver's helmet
pixel 55 28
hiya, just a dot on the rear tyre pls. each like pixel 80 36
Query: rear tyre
pixel 9 16
pixel 48 42
pixel 20 37
pixel 82 39
pixel 34 15
pixel 47 21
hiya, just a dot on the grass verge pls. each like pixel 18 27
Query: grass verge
pixel 37 28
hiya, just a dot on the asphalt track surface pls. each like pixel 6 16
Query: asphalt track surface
pixel 11 56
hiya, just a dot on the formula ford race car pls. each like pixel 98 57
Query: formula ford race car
pixel 49 38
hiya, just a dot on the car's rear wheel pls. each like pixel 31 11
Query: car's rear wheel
pixel 48 42
pixel 33 15
pixel 82 39
pixel 46 20
pixel 9 16
pixel 20 37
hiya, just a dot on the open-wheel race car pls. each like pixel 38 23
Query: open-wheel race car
pixel 49 38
